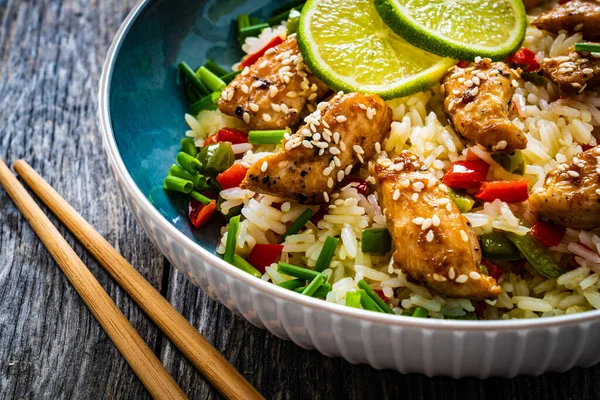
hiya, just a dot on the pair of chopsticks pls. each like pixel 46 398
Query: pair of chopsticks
pixel 216 369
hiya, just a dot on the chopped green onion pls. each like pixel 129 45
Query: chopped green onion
pixel 216 158
pixel 298 224
pixel 293 20
pixel 243 21
pixel 214 68
pixel 587 47
pixel 353 299
pixel 201 198
pixel 322 291
pixel 367 302
pixel 179 172
pixel 192 94
pixel 314 285
pixel 365 286
pixel 538 255
pixel 189 147
pixel 406 313
pixel 176 184
pixel 208 102
pixel 513 162
pixel 230 76
pixel 420 313
pixel 254 20
pixel 470 316
pixel 211 80
pixel 463 202
pixel 376 240
pixel 282 16
pixel 189 163
pixel 326 253
pixel 288 6
pixel 266 137
pixel 252 30
pixel 192 79
pixel 496 246
pixel 297 272
pixel 293 284
pixel 245 266
pixel 230 245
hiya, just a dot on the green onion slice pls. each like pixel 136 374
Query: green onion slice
pixel 188 146
pixel 200 197
pixel 365 286
pixel 353 299
pixel 376 240
pixel 266 137
pixel 297 272
pixel 214 68
pixel 245 266
pixel 189 163
pixel 326 253
pixel 176 184
pixel 420 313
pixel 232 231
pixel 314 285
pixel 367 302
pixel 208 102
pixel 298 224
pixel 293 284
pixel 587 47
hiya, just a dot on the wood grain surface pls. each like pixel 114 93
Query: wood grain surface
pixel 51 347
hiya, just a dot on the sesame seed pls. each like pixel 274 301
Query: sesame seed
pixel 481 76
pixel 476 80
pixel 429 236
pixel 307 144
pixel 340 118
pixel 598 192
pixel 439 278
pixel 336 137
pixel 474 91
pixel 229 95
pixel 246 69
pixel 443 188
pixel 396 195
pixel 244 88
pixel 574 174
pixel 369 113
pixel 501 145
pixel 337 161
pixel 284 108
pixel 291 94
pixel 462 279
pixel 475 275
pixel 273 91
pixel 418 186
pixel 312 97
pixel 435 220
pixel 253 106
pixel 348 169
pixel 334 150
pixel 468 83
pixel 360 158
pixel 451 273
pixel 461 80
pixel 415 197
pixel 371 179
pixel 330 183
pixel 325 124
pixel 246 117
pixel 464 236
pixel 266 117
pixel 455 91
pixel 340 175
pixel 362 106
pixel 514 83
pixel 326 197
pixel 418 220
pixel 449 207
pixel 358 149
pixel 327 171
pixel 477 59
pixel 378 147
pixel 588 71
pixel 264 166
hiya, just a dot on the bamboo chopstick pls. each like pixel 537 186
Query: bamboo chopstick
pixel 194 346
pixel 131 345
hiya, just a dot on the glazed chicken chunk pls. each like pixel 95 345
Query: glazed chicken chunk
pixel 433 242
pixel 573 16
pixel 571 194
pixel 272 93
pixel 572 72
pixel 476 101
pixel 337 136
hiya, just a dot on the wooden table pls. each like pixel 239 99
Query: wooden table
pixel 51 52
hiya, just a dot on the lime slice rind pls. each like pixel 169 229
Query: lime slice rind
pixel 400 20
pixel 348 47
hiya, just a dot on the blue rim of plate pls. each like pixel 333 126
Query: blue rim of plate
pixel 114 158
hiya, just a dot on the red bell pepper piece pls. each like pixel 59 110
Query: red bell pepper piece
pixel 252 58
pixel 466 174
pixel 200 214
pixel 263 255
pixel 586 147
pixel 380 294
pixel 493 270
pixel 232 177
pixel 507 191
pixel 549 234
pixel 230 135
pixel 463 64
pixel 525 59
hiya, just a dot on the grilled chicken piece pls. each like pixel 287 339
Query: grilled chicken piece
pixel 571 193
pixel 272 93
pixel 433 241
pixel 572 72
pixel 477 101
pixel 336 137
pixel 529 4
pixel 573 16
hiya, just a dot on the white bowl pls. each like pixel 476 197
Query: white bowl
pixel 428 346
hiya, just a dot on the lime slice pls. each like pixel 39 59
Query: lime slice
pixel 462 29
pixel 349 47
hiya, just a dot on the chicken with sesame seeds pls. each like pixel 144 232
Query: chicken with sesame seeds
pixel 572 72
pixel 476 102
pixel 573 16
pixel 337 136
pixel 433 241
pixel 272 93
pixel 571 193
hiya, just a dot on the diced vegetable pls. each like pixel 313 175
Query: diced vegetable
pixel 243 21
pixel 420 313
pixel 376 240
pixel 326 253
pixel 513 162
pixel 176 184
pixel 467 174
pixel 208 102
pixel 214 68
pixel 353 299
pixel 525 59
pixel 200 214
pixel 230 135
pixel 252 58
pixel 189 147
pixel 245 266
pixel 367 302
pixel 296 272
pixel 189 163
pixel 200 197
pixel 371 293
pixel 537 255
pixel 211 80
pixel 314 285
pixel 232 177
pixel 230 244
pixel 293 284
pixel 492 269
pixel 587 47
pixel 298 224
pixel 549 234
pixel 216 158
pixel 463 202
pixel 189 77
pixel 266 137
pixel 507 191
pixel 321 292
pixel 179 172
pixel 496 246
pixel 263 255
